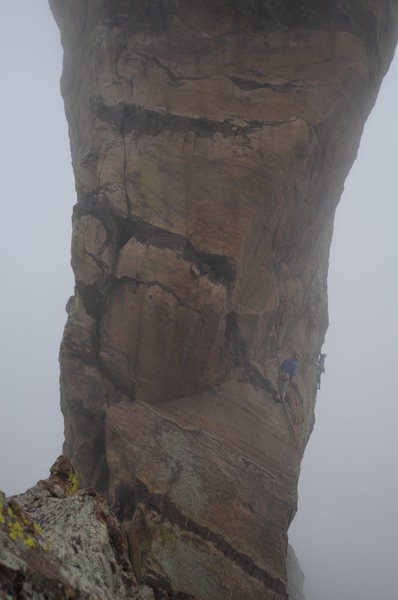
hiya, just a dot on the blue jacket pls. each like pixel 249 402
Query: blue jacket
pixel 289 366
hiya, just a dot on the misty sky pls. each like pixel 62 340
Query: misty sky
pixel 346 531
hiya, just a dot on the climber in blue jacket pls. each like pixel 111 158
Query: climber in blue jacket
pixel 288 370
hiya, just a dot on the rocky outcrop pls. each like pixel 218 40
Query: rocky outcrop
pixel 210 142
pixel 57 542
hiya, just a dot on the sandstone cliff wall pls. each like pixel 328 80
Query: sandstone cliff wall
pixel 210 142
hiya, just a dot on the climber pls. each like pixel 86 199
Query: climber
pixel 287 372
pixel 320 369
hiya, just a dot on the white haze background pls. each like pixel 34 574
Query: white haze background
pixel 346 530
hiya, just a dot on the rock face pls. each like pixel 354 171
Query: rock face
pixel 57 542
pixel 210 142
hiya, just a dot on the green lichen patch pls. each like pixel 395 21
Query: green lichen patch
pixel 2 504
pixel 19 527
pixel 63 479
pixel 73 483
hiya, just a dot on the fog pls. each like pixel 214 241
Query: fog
pixel 37 195
pixel 346 528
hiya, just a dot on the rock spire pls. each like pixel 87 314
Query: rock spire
pixel 210 142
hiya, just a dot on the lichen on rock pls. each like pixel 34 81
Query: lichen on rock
pixel 19 527
pixel 57 542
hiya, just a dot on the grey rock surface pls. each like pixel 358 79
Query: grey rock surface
pixel 58 542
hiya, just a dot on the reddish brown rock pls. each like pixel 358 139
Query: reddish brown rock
pixel 210 142
pixel 183 459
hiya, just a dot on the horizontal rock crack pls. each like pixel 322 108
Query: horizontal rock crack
pixel 149 122
pixel 218 268
pixel 176 79
pixel 170 512
pixel 251 85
